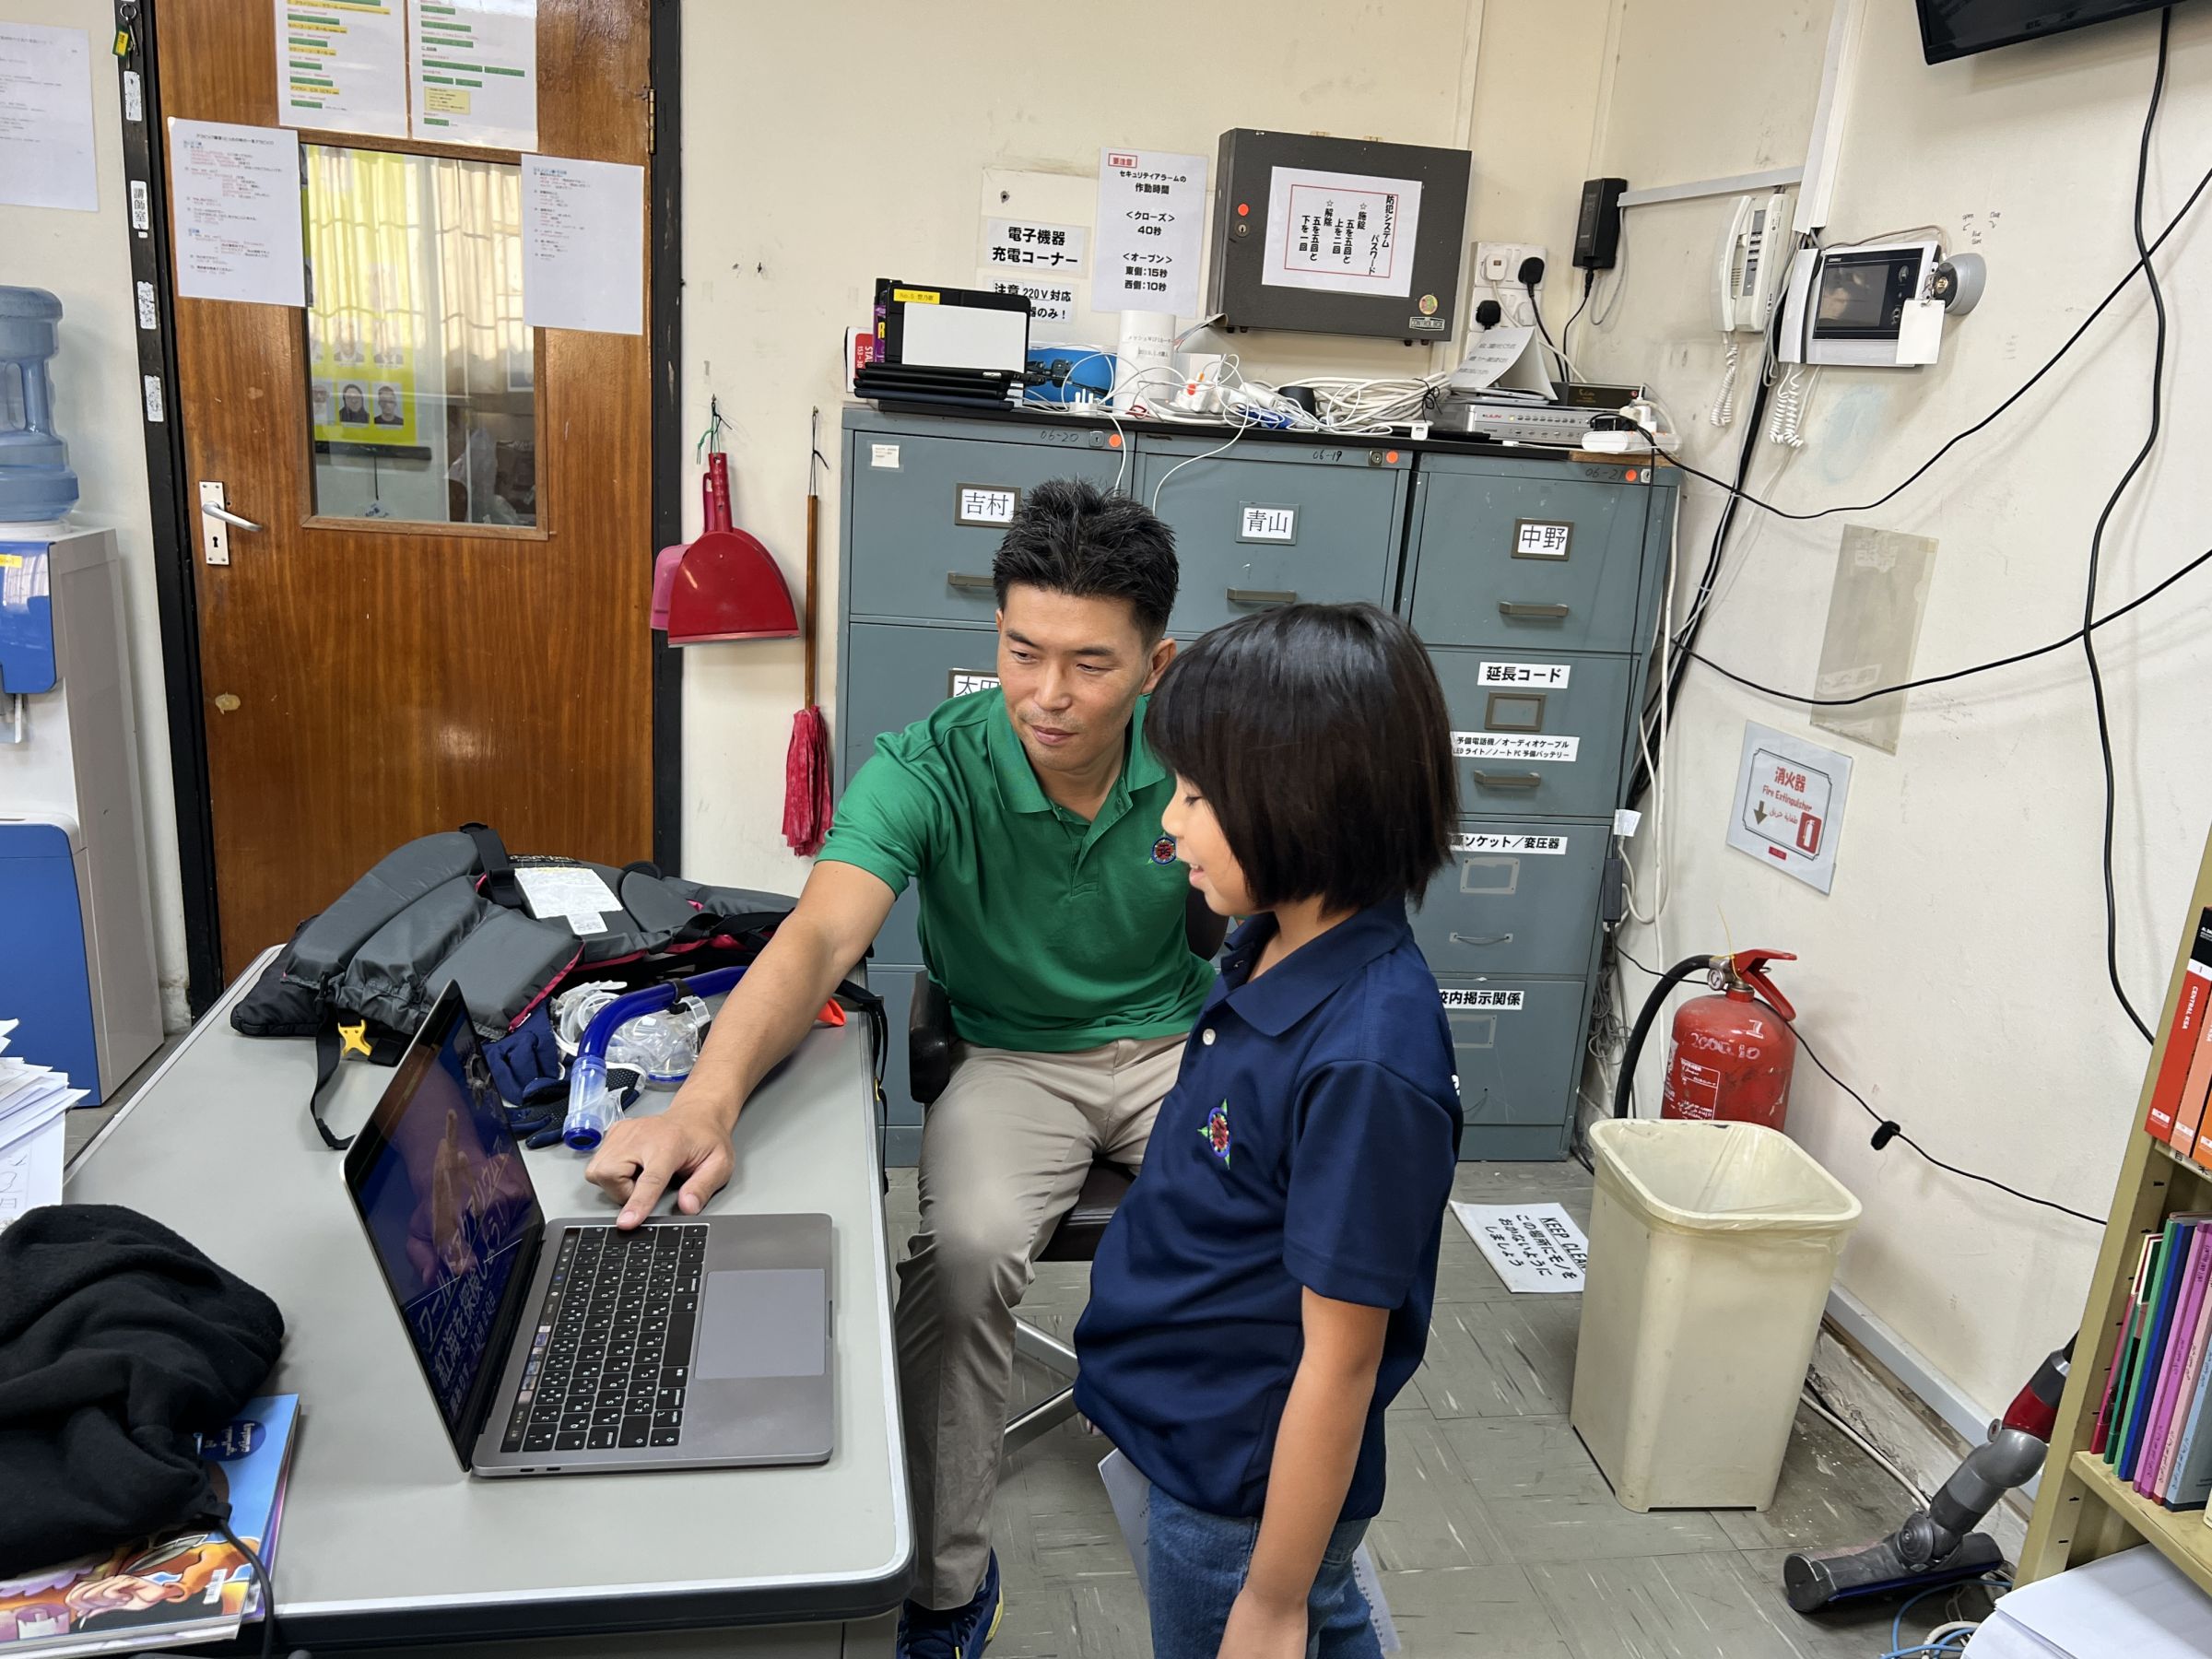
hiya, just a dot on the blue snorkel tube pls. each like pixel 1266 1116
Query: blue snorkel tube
pixel 591 1106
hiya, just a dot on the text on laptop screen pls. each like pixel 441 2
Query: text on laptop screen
pixel 451 1212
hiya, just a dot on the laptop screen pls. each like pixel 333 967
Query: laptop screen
pixel 450 1211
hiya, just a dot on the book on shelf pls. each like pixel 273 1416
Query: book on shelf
pixel 2155 1464
pixel 188 1585
pixel 2192 1483
pixel 2161 1122
pixel 2143 1292
pixel 2173 1251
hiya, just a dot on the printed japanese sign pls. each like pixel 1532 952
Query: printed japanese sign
pixel 984 504
pixel 1535 1248
pixel 1524 673
pixel 1480 841
pixel 1789 803
pixel 1504 746
pixel 1269 524
pixel 960 682
pixel 1150 221
pixel 1538 538
pixel 1343 233
pixel 1048 301
pixel 1012 244
pixel 1503 1001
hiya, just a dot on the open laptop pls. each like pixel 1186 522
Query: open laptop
pixel 567 1347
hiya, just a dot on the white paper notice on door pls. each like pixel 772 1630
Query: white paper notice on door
pixel 235 194
pixel 46 155
pixel 583 245
pixel 1346 233
pixel 475 71
pixel 342 66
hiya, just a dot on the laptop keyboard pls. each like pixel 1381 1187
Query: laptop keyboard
pixel 611 1356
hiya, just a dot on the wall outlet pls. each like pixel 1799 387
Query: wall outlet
pixel 1499 264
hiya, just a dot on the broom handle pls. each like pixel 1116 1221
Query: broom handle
pixel 814 504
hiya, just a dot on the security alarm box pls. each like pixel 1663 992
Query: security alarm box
pixel 1343 236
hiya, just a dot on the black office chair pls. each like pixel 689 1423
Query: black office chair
pixel 1074 1237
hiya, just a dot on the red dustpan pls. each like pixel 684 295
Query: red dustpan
pixel 727 586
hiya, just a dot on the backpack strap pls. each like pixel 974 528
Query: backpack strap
pixel 330 1048
pixel 499 885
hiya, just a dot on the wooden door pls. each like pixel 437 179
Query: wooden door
pixel 411 640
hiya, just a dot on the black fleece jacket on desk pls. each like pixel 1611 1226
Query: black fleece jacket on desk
pixel 119 1343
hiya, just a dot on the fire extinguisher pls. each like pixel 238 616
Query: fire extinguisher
pixel 1731 1058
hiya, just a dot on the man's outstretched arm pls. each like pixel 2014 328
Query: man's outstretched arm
pixel 761 1021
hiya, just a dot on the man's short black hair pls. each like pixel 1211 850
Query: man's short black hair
pixel 1318 736
pixel 1070 536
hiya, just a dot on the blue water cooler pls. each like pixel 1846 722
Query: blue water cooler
pixel 77 946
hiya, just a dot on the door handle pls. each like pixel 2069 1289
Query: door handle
pixel 1261 596
pixel 1509 607
pixel 215 539
pixel 968 582
pixel 1508 780
pixel 1459 938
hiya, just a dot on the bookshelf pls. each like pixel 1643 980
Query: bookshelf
pixel 2082 1511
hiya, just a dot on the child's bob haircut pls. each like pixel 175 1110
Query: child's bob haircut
pixel 1317 734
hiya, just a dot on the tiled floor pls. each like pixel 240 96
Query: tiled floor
pixel 1500 1539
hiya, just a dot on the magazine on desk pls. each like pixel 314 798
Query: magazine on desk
pixel 187 1585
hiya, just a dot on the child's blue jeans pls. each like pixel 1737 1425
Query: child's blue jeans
pixel 1195 1564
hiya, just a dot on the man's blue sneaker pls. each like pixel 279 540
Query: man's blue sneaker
pixel 962 1633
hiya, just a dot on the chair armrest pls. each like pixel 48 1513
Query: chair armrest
pixel 929 1039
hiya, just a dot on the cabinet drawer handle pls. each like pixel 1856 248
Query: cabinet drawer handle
pixel 1458 938
pixel 1508 607
pixel 1509 779
pixel 1261 596
pixel 968 582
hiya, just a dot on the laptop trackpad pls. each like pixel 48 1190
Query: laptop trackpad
pixel 763 1321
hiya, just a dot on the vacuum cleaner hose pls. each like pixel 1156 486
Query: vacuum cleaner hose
pixel 1625 1084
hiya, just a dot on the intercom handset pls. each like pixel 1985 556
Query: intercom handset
pixel 1750 263
pixel 1745 278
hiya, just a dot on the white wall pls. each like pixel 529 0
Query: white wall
pixel 802 182
pixel 84 258
pixel 1956 975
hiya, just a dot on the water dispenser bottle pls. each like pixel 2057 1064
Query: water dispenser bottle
pixel 36 484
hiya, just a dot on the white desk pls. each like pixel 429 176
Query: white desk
pixel 384 1539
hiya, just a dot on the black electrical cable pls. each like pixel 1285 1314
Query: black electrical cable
pixel 267 1584
pixel 1567 333
pixel 1889 1130
pixel 2141 265
pixel 1536 309
pixel 1895 1132
pixel 2089 600
pixel 1957 674
pixel 1670 687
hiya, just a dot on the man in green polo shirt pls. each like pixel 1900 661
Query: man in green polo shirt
pixel 1052 915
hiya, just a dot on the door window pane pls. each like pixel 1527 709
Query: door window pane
pixel 421 395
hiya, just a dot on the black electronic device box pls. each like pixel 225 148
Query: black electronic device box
pixel 1345 236
pixel 1598 225
pixel 1955 28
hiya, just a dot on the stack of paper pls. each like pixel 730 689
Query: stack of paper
pixel 2136 1603
pixel 34 1101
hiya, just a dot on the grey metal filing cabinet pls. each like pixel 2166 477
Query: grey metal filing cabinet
pixel 1535 580
pixel 926 501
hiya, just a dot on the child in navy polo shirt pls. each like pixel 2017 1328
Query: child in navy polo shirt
pixel 1264 1291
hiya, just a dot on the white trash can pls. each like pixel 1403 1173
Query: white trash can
pixel 1711 1248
